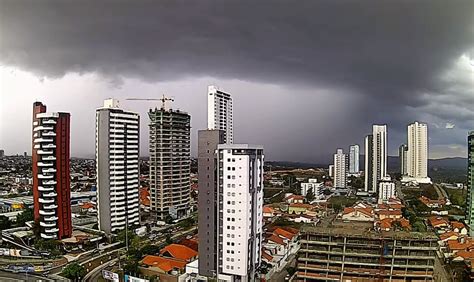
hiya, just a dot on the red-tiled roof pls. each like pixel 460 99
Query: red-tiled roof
pixel 267 256
pixel 449 234
pixel 179 252
pixel 457 224
pixel 456 245
pixel 165 264
pixel 274 238
pixel 301 205
pixel 437 221
pixel 87 205
pixel 366 211
pixel 465 254
pixel 390 212
pixel 190 243
pixel 386 223
pixel 267 209
pixel 284 233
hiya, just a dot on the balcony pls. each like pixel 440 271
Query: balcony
pixel 48 170
pixel 37 146
pixel 50 218
pixel 50 207
pixel 43 212
pixel 44 164
pixel 51 230
pixel 41 128
pixel 49 133
pixel 44 224
pixel 46 201
pixel 49 146
pixel 45 189
pixel 49 121
pixel 49 158
pixel 51 194
pixel 115 199
pixel 45 152
pixel 46 236
pixel 43 176
pixel 49 182
pixel 118 223
pixel 43 140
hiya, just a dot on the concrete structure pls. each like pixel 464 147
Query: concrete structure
pixel 402 157
pixel 417 154
pixel 170 163
pixel 2 153
pixel 117 150
pixel 240 216
pixel 352 252
pixel 331 170
pixel 340 174
pixel 368 164
pixel 220 112
pixel 208 140
pixel 386 189
pixel 470 184
pixel 354 159
pixel 51 175
pixel 376 149
pixel 312 184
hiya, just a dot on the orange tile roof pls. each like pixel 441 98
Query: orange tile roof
pixel 284 233
pixel 457 224
pixel 456 245
pixel 437 221
pixel 301 205
pixel 267 256
pixel 294 197
pixel 87 205
pixel 179 252
pixel 276 239
pixel 267 209
pixel 366 211
pixel 390 212
pixel 465 254
pixel 190 243
pixel 386 223
pixel 405 223
pixel 165 264
pixel 449 234
pixel 292 230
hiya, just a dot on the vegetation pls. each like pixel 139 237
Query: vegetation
pixel 24 217
pixel 338 203
pixel 51 246
pixel 286 223
pixel 74 271
pixel 429 191
pixel 291 270
pixel 187 223
pixel 169 240
pixel 457 196
pixel 131 266
pixel 309 195
pixel 5 222
pixel 356 182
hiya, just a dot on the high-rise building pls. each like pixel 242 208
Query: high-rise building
pixel 51 176
pixel 379 150
pixel 386 189
pixel 417 154
pixel 170 163
pixel 117 152
pixel 2 153
pixel 220 112
pixel 340 176
pixel 208 140
pixel 331 170
pixel 230 207
pixel 470 183
pixel 354 159
pixel 402 156
pixel 368 174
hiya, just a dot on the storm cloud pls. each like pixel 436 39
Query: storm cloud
pixel 373 61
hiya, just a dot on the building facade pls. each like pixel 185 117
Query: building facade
pixel 208 140
pixel 220 112
pixel 117 152
pixel 368 164
pixel 51 175
pixel 402 157
pixel 340 174
pixel 240 216
pixel 313 185
pixel 386 189
pixel 417 154
pixel 170 163
pixel 470 184
pixel 354 159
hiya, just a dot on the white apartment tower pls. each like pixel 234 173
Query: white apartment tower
pixel 340 169
pixel 375 157
pixel 220 112
pixel 417 155
pixel 354 159
pixel 117 151
pixel 239 224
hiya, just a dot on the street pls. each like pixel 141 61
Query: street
pixel 9 276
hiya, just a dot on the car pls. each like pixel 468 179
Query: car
pixel 287 277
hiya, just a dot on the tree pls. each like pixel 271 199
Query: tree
pixel 169 240
pixel 309 195
pixel 121 236
pixel 5 222
pixel 24 217
pixel 51 246
pixel 131 267
pixel 74 271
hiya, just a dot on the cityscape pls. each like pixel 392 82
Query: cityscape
pixel 223 185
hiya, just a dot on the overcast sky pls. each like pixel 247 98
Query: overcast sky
pixel 307 77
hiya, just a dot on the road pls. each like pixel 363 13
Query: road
pixel 280 276
pixel 9 276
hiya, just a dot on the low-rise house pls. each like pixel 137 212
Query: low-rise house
pixel 458 227
pixel 433 203
pixel 464 255
pixel 388 224
pixel 299 208
pixel 268 212
pixel 358 214
pixel 278 245
pixel 438 223
pixel 392 214
pixel 294 199
pixel 179 252
pixel 455 246
pixel 304 218
pixel 448 236
pixel 163 265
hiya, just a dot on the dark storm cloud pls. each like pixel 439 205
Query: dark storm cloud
pixel 390 53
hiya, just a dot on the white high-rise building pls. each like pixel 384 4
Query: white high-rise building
pixel 354 159
pixel 368 175
pixel 220 112
pixel 117 151
pixel 340 169
pixel 379 133
pixel 239 224
pixel 417 154
pixel 386 189
pixel 314 185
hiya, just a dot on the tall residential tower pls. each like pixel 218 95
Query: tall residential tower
pixel 51 176
pixel 170 163
pixel 354 159
pixel 470 183
pixel 220 112
pixel 117 151
pixel 340 176
pixel 417 154
pixel 402 156
pixel 376 157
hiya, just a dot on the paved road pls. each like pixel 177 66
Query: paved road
pixel 280 276
pixel 8 276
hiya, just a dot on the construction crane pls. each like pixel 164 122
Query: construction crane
pixel 163 100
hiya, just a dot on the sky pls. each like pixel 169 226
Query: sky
pixel 307 77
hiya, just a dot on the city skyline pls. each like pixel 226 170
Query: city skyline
pixel 309 79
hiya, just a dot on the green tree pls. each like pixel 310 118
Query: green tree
pixel 169 240
pixel 74 271
pixel 309 195
pixel 24 217
pixel 419 226
pixel 121 236
pixel 5 222
pixel 150 250
pixel 52 246
pixel 131 267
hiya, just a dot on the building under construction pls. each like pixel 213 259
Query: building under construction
pixel 354 252
pixel 170 162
